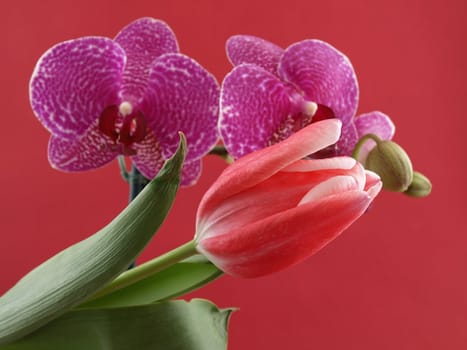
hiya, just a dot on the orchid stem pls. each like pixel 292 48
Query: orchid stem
pixel 123 170
pixel 149 268
pixel 362 141
pixel 137 183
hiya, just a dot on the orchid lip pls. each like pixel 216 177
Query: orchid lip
pixel 123 126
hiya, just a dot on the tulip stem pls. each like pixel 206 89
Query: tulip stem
pixel 149 268
pixel 362 141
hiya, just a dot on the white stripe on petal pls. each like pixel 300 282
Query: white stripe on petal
pixel 329 187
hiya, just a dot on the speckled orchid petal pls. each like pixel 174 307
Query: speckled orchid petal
pixel 182 96
pixel 73 82
pixel 148 159
pixel 255 106
pixel 143 41
pixel 191 172
pixel 324 74
pixel 376 123
pixel 348 139
pixel 91 150
pixel 251 49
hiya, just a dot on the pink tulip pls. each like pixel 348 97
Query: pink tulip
pixel 274 208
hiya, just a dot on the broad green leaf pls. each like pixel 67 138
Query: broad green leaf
pixel 170 325
pixel 76 273
pixel 174 281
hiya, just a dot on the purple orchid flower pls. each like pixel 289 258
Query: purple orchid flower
pixel 130 96
pixel 272 93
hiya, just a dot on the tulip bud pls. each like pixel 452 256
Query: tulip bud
pixel 272 208
pixel 392 164
pixel 420 186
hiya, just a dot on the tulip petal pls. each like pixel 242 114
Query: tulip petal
pixel 278 193
pixel 254 104
pixel 90 151
pixel 373 184
pixel 286 238
pixel 258 166
pixel 325 75
pixel 305 165
pixel 182 96
pixel 282 191
pixel 143 41
pixel 376 123
pixel 73 82
pixel 251 49
pixel 334 185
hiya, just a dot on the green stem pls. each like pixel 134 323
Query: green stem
pixel 362 141
pixel 123 170
pixel 137 182
pixel 149 268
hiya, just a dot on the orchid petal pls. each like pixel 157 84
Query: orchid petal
pixel 348 139
pixel 182 96
pixel 376 123
pixel 148 159
pixel 285 238
pixel 324 74
pixel 90 151
pixel 254 104
pixel 73 82
pixel 258 166
pixel 191 172
pixel 251 49
pixel 143 41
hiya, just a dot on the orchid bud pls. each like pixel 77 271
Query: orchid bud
pixel 420 186
pixel 392 164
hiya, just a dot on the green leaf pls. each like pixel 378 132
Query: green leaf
pixel 170 325
pixel 76 273
pixel 172 282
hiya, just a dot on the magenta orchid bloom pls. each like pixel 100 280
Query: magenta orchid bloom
pixel 271 93
pixel 272 208
pixel 130 96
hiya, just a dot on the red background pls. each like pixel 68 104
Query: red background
pixel 395 280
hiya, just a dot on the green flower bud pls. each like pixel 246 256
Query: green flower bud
pixel 392 164
pixel 420 186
